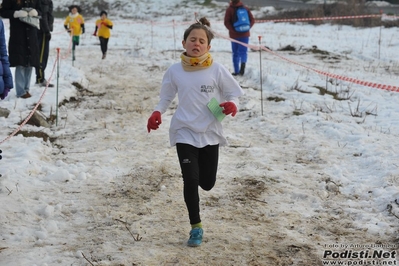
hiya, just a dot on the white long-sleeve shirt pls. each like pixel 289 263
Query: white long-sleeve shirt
pixel 193 123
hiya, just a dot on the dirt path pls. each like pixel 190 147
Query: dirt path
pixel 137 214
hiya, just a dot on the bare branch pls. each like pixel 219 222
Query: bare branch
pixel 261 201
pixel 9 191
pixel 87 259
pixel 137 237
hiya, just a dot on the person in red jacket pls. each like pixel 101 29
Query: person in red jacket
pixel 239 51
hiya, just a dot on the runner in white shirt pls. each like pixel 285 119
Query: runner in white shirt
pixel 194 128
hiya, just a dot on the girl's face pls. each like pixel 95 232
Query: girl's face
pixel 74 10
pixel 103 16
pixel 196 43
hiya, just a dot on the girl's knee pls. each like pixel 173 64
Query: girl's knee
pixel 207 187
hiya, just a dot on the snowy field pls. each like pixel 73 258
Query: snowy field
pixel 311 170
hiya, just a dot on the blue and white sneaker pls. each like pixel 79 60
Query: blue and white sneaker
pixel 195 239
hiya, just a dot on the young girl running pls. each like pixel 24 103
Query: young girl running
pixel 75 25
pixel 194 129
pixel 104 27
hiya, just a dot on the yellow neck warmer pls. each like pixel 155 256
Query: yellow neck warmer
pixel 196 63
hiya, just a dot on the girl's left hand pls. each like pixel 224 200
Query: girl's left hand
pixel 154 121
pixel 229 108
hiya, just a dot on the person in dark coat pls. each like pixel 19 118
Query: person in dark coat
pixel 240 55
pixel 6 82
pixel 23 46
pixel 44 37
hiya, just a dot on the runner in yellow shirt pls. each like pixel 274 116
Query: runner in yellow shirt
pixel 104 27
pixel 75 25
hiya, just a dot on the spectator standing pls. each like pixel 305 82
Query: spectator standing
pixel 44 37
pixel 75 25
pixel 23 45
pixel 240 52
pixel 103 31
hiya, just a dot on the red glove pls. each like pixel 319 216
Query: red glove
pixel 103 23
pixel 94 34
pixel 229 108
pixel 154 121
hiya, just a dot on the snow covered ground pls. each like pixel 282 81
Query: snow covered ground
pixel 312 164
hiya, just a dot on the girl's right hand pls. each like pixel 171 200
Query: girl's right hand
pixel 154 121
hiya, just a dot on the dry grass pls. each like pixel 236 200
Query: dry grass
pixel 351 8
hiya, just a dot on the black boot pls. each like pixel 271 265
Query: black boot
pixel 242 69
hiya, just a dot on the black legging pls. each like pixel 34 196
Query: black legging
pixel 104 44
pixel 199 167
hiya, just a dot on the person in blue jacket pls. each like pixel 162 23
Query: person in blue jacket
pixel 6 79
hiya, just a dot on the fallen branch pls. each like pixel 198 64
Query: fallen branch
pixel 87 259
pixel 121 221
pixel 9 191
pixel 137 237
pixel 257 200
pixel 390 209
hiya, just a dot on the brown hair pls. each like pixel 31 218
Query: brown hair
pixel 235 1
pixel 75 6
pixel 203 24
